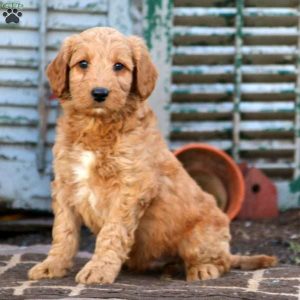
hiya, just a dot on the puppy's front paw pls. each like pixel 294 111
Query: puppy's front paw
pixel 49 268
pixel 202 272
pixel 97 272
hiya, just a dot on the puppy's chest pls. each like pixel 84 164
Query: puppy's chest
pixel 98 176
pixel 93 165
pixel 93 174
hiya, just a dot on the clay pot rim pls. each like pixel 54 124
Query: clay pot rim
pixel 232 211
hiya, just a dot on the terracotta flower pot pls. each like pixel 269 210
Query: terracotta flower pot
pixel 216 173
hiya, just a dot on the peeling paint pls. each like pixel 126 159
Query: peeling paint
pixel 157 33
pixel 119 16
pixel 153 20
pixel 294 185
pixel 5 120
pixel 207 74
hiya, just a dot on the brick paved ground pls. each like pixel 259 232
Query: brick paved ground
pixel 282 282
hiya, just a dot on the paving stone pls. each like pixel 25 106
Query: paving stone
pixel 8 282
pixel 5 257
pixel 283 272
pixel 65 281
pixel 33 257
pixel 279 283
pixel 47 293
pixel 5 293
pixel 276 286
pixel 237 279
pixel 17 272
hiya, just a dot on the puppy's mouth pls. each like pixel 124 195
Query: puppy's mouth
pixel 98 107
pixel 98 104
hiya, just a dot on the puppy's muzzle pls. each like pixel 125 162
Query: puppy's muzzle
pixel 100 94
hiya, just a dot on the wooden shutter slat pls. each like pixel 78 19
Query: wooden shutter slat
pixel 231 12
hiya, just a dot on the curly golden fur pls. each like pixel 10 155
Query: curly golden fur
pixel 115 174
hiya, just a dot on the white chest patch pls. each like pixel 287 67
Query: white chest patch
pixel 82 172
pixel 82 169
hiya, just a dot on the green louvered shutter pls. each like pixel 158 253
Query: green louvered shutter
pixel 235 74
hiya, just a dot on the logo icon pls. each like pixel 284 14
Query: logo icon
pixel 12 16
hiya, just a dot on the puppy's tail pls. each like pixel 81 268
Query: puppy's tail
pixel 253 262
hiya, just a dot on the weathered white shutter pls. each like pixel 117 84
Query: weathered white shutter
pixel 235 77
pixel 27 116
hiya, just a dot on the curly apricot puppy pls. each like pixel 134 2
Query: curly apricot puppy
pixel 115 174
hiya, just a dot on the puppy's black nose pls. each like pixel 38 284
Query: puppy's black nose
pixel 99 94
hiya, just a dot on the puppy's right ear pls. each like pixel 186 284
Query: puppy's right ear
pixel 58 70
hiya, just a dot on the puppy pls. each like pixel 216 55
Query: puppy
pixel 115 174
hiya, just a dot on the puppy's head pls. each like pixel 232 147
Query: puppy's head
pixel 101 70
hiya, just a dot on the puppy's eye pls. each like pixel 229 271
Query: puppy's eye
pixel 118 67
pixel 83 64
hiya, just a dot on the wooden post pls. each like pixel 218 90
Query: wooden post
pixel 42 101
pixel 238 78
pixel 297 107
pixel 157 32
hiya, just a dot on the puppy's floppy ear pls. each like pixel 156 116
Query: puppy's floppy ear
pixel 58 70
pixel 145 73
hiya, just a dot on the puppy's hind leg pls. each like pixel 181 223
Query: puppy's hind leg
pixel 205 253
pixel 253 262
